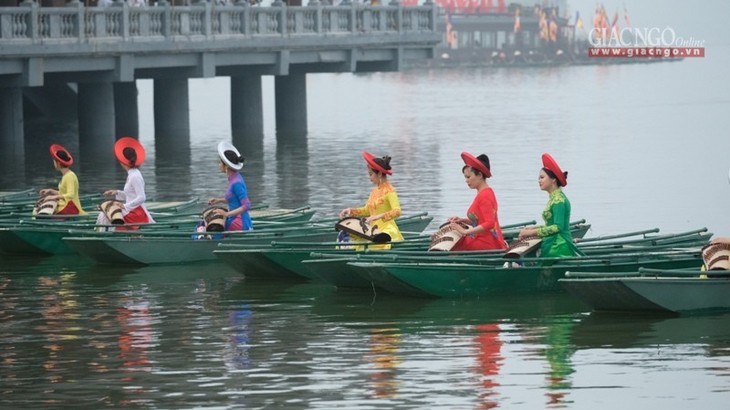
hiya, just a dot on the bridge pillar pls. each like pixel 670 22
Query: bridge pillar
pixel 125 109
pixel 291 104
pixel 247 114
pixel 96 120
pixel 172 112
pixel 292 170
pixel 11 123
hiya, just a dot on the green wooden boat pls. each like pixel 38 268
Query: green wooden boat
pixel 176 247
pixel 289 256
pixel 651 290
pixel 325 264
pixel 44 236
pixel 46 239
pixel 24 206
pixel 279 257
pixel 302 214
pixel 158 209
pixel 267 261
pixel 11 195
pixel 472 279
pixel 175 207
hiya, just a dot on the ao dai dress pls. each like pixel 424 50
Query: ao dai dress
pixel 383 200
pixel 68 191
pixel 557 240
pixel 236 197
pixel 483 212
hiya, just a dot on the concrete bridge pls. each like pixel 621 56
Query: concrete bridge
pixel 81 62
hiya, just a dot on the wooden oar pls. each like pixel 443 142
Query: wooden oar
pixel 616 236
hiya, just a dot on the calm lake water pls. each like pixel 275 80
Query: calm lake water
pixel 646 146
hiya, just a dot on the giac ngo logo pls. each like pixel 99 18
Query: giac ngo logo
pixel 647 42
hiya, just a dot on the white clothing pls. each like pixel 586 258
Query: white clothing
pixel 133 194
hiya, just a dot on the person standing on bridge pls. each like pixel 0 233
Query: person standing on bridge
pixel 237 216
pixel 130 154
pixel 383 206
pixel 67 194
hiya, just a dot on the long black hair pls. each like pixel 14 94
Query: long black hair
pixel 551 174
pixel 383 162
pixel 235 159
pixel 131 155
pixel 484 159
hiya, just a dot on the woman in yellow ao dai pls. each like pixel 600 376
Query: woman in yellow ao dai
pixel 383 206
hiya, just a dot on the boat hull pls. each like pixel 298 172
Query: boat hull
pixel 154 250
pixel 378 276
pixel 456 280
pixel 651 294
pixel 12 244
pixel 255 263
pixel 337 272
pixel 48 242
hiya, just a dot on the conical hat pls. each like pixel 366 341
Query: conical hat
pixel 359 227
pixel 224 146
pixel 446 237
pixel 61 154
pixel 129 142
pixel 716 256
pixel 522 247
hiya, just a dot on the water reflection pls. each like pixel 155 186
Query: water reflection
pixel 669 359
pixel 490 360
pixel 292 170
pixel 558 353
pixel 384 355
pixel 237 357
pixel 172 168
pixel 12 168
pixel 202 335
pixel 60 324
pixel 136 332
pixel 254 167
pixel 598 330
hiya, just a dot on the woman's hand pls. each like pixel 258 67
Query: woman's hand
pixel 110 192
pixel 212 201
pixel 528 231
pixel 371 219
pixel 456 219
pixel 345 212
pixel 461 229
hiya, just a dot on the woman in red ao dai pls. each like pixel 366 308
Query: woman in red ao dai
pixel 483 230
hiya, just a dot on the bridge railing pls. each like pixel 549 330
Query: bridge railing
pixel 30 24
